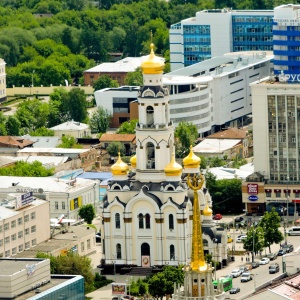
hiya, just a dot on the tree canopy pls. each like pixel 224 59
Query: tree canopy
pixel 100 120
pixel 114 148
pixel 128 127
pixel 87 212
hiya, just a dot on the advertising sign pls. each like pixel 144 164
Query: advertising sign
pixel 24 200
pixel 253 198
pixel 252 189
pixel 118 288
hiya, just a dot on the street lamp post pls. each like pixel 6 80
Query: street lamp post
pixel 114 262
pixel 253 240
pixel 284 229
pixel 130 278
pixel 287 197
pixel 215 241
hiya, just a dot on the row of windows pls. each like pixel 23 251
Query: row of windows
pixel 197 48
pixel 246 38
pixel 144 221
pixel 13 223
pixel 63 205
pixel 19 249
pixel 88 244
pixel 253 48
pixel 199 29
pixel 256 29
pixel 13 237
pixel 199 39
pixel 253 19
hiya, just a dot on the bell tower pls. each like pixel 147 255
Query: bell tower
pixel 154 131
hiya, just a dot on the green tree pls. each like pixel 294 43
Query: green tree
pixel 255 240
pixel 114 148
pixel 270 224
pixel 187 134
pixel 134 78
pixel 12 125
pixel 100 120
pixel 128 127
pixel 87 212
pixel 69 142
pixel 26 169
pixel 2 124
pixel 104 81
pixel 42 131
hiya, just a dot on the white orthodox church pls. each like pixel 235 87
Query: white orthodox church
pixel 148 210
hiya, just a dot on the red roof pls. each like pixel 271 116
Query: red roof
pixel 230 133
pixel 114 137
pixel 14 142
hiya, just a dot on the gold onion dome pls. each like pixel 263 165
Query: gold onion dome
pixel 153 64
pixel 173 168
pixel 192 160
pixel 133 161
pixel 119 168
pixel 207 211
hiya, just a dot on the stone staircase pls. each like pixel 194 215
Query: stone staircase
pixel 139 271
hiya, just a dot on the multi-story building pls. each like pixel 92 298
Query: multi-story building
pixel 2 80
pixel 198 38
pixel 22 225
pixel 213 94
pixel 286 41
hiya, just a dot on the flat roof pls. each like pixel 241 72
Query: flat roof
pixel 11 266
pixel 52 150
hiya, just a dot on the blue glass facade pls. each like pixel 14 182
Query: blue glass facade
pixel 196 43
pixel 286 43
pixel 72 289
pixel 252 33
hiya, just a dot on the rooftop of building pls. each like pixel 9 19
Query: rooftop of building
pixel 47 184
pixel 216 145
pixel 112 137
pixel 70 126
pixel 218 66
pixel 230 133
pixel 53 150
pixel 43 141
pixel 14 142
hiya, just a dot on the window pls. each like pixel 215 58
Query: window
pixel 20 248
pixel 6 226
pixel 117 220
pixel 33 216
pixel 76 205
pixel 1 242
pixel 82 246
pixel 33 229
pixel 1 228
pixel 26 231
pixel 277 194
pixel 172 252
pixel 119 252
pixel 56 205
pixel 13 224
pixel 26 218
pixel 14 251
pixel 20 221
pixel 89 244
pixel 7 253
pixel 147 221
pixel 33 242
pixel 171 222
pixel 141 221
pixel 7 240
pixel 27 245
pixel 14 237
pixel 20 234
pixel 63 205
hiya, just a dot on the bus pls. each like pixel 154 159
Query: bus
pixel 227 283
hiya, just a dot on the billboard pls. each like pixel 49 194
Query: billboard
pixel 118 288
pixel 24 200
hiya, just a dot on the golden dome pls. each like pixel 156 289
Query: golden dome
pixel 153 64
pixel 173 168
pixel 119 168
pixel 192 160
pixel 133 161
pixel 207 211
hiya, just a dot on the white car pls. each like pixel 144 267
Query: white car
pixel 264 261
pixel 236 273
pixel 241 238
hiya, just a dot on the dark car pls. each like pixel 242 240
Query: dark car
pixel 281 252
pixel 238 219
pixel 255 265
pixel 234 290
pixel 272 256
pixel 273 268
pixel 288 248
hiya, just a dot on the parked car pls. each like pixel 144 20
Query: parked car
pixel 255 265
pixel 288 248
pixel 236 273
pixel 243 269
pixel 234 290
pixel 246 277
pixel 273 268
pixel 281 252
pixel 249 266
pixel 228 276
pixel 264 261
pixel 272 256
pixel 217 217
pixel 240 239
pixel 238 219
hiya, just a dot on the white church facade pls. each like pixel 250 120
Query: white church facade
pixel 148 210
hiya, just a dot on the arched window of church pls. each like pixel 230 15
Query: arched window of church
pixel 141 221
pixel 119 251
pixel 172 252
pixel 147 221
pixel 205 243
pixel 171 222
pixel 150 115
pixel 150 154
pixel 117 220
